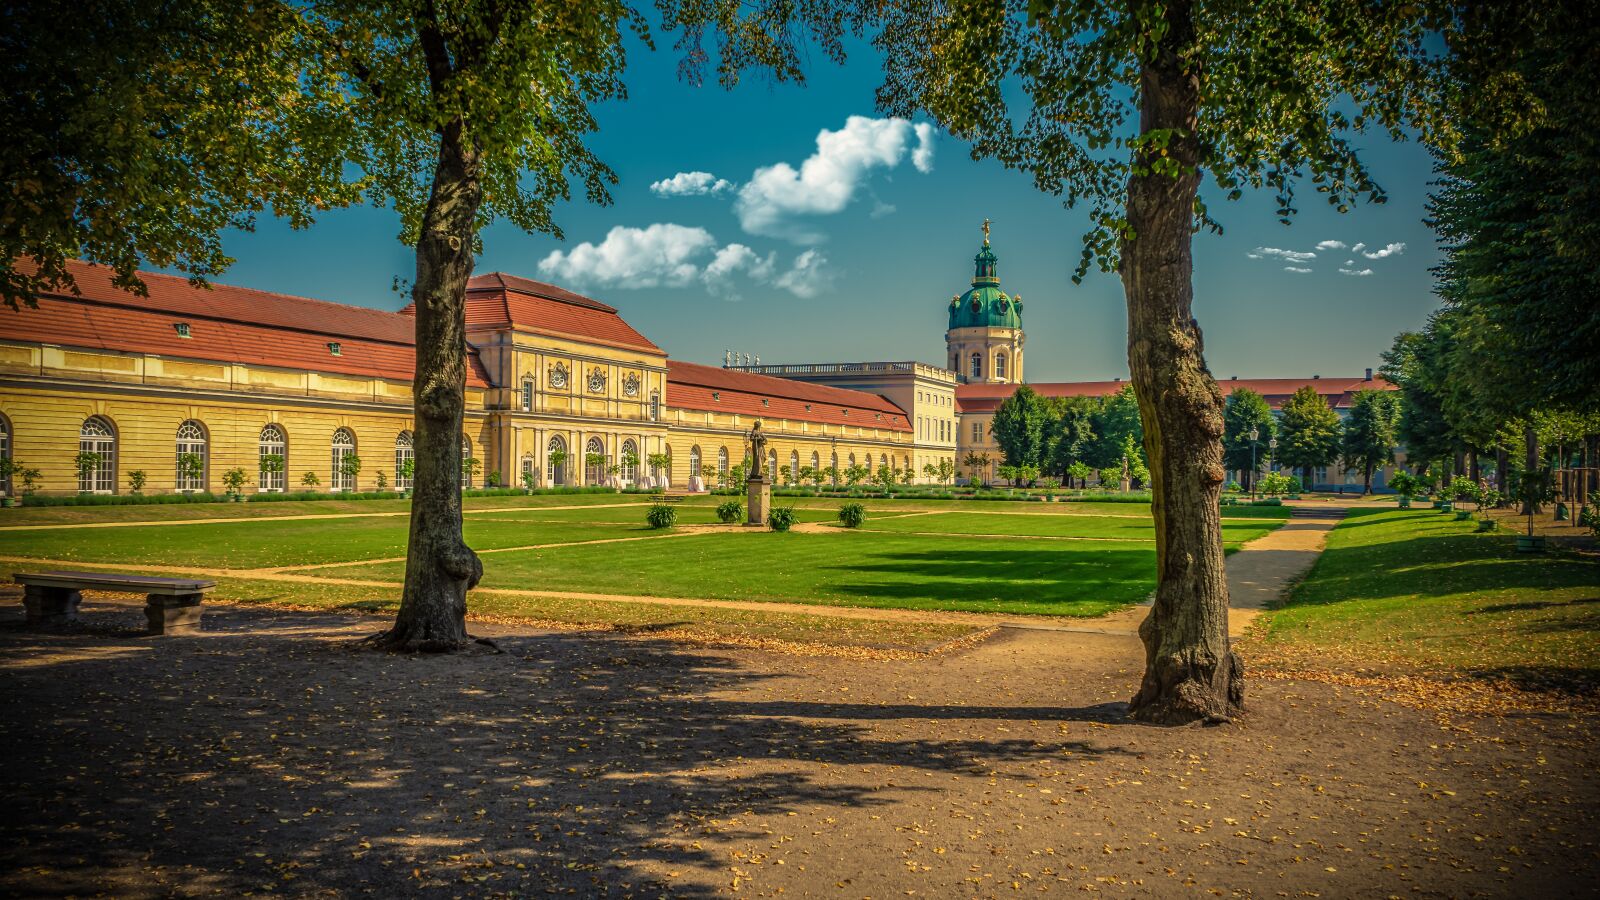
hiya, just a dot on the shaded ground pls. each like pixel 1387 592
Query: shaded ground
pixel 261 757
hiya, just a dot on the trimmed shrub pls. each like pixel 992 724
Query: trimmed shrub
pixel 781 518
pixel 662 515
pixel 119 499
pixel 730 512
pixel 851 515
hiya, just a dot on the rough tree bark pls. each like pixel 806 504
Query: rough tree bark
pixel 440 567
pixel 1191 673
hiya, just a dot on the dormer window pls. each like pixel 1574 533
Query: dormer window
pixel 182 328
pixel 765 402
pixel 808 407
pixel 716 395
pixel 333 348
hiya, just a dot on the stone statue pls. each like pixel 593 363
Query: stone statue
pixel 758 450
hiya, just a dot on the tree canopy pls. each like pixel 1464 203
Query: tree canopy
pixel 1243 410
pixel 1309 429
pixel 1370 433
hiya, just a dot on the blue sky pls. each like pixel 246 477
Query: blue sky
pixel 856 256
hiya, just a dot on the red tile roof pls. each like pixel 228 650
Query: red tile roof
pixel 988 397
pixel 226 324
pixel 498 300
pixel 693 386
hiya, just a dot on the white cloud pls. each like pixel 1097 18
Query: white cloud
pixel 1349 262
pixel 1285 255
pixel 808 277
pixel 828 180
pixel 1296 269
pixel 1331 245
pixel 661 255
pixel 1394 249
pixel 1358 248
pixel 669 255
pixel 690 184
pixel 1355 271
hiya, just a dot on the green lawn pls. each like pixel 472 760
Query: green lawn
pixel 848 568
pixel 166 512
pixel 1234 531
pixel 1413 589
pixel 257 544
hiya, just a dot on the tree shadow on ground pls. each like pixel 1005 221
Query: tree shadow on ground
pixel 1020 578
pixel 253 759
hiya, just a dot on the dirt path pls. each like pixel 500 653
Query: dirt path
pixel 263 757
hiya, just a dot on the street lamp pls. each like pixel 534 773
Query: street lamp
pixel 1272 452
pixel 1255 434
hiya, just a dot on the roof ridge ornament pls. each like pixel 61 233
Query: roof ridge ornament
pixel 986 232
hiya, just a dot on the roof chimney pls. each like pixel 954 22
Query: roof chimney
pixel 1315 377
pixel 1233 378
pixel 1369 373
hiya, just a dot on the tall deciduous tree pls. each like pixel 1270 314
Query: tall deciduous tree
pixel 1370 433
pixel 1242 411
pixel 1116 417
pixel 1019 427
pixel 1128 106
pixel 137 131
pixel 1310 433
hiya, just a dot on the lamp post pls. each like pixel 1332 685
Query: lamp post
pixel 1255 434
pixel 1272 451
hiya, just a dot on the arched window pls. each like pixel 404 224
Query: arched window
pixel 655 406
pixel 833 463
pixel 866 460
pixel 694 461
pixel 344 447
pixel 191 457
pixel 977 365
pixel 594 462
pixel 883 462
pixel 5 453
pixel 1000 364
pixel 529 471
pixel 816 461
pixel 555 474
pixel 527 393
pixel 99 475
pixel 630 471
pixel 851 462
pixel 722 465
pixel 405 461
pixel 794 465
pixel 466 462
pixel 272 450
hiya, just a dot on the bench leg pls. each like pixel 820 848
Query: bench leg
pixel 173 614
pixel 50 605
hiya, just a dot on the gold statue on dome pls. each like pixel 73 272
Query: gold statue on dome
pixel 986 232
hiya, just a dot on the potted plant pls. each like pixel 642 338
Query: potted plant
pixel 86 461
pixel 1405 485
pixel 406 471
pixel 271 465
pixel 234 480
pixel 28 477
pixel 1533 488
pixel 350 467
pixel 660 462
pixel 310 480
pixel 528 481
pixel 471 467
pixel 492 480
pixel 1488 498
pixel 1463 489
pixel 558 462
pixel 382 481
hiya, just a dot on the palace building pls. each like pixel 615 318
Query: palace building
pixel 187 383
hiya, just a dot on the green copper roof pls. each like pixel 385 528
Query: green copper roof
pixel 985 305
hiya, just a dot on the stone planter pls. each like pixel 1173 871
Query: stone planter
pixel 1486 525
pixel 1443 505
pixel 1405 502
pixel 1561 511
pixel 1530 543
pixel 1462 515
pixel 8 502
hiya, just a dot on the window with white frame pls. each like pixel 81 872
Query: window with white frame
pixel 630 471
pixel 272 454
pixel 5 453
pixel 527 393
pixel 977 431
pixel 594 462
pixel 554 474
pixel 405 452
pixel 190 457
pixel 343 447
pixel 98 437
pixel 722 465
pixel 655 406
pixel 466 462
pixel 1000 364
pixel 694 461
pixel 977 365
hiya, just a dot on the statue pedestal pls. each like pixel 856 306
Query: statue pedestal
pixel 758 500
pixel 1124 485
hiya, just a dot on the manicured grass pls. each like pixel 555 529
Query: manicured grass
pixel 1234 531
pixel 257 544
pixel 846 568
pixel 1413 589
pixel 71 515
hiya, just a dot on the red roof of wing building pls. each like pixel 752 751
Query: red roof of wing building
pixel 500 300
pixel 693 386
pixel 1338 391
pixel 226 324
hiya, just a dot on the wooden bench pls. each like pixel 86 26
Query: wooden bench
pixel 172 605
pixel 666 498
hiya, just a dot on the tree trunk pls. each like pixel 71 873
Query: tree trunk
pixel 1366 481
pixel 1530 465
pixel 1191 673
pixel 440 567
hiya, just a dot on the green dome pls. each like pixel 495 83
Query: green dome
pixel 985 305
